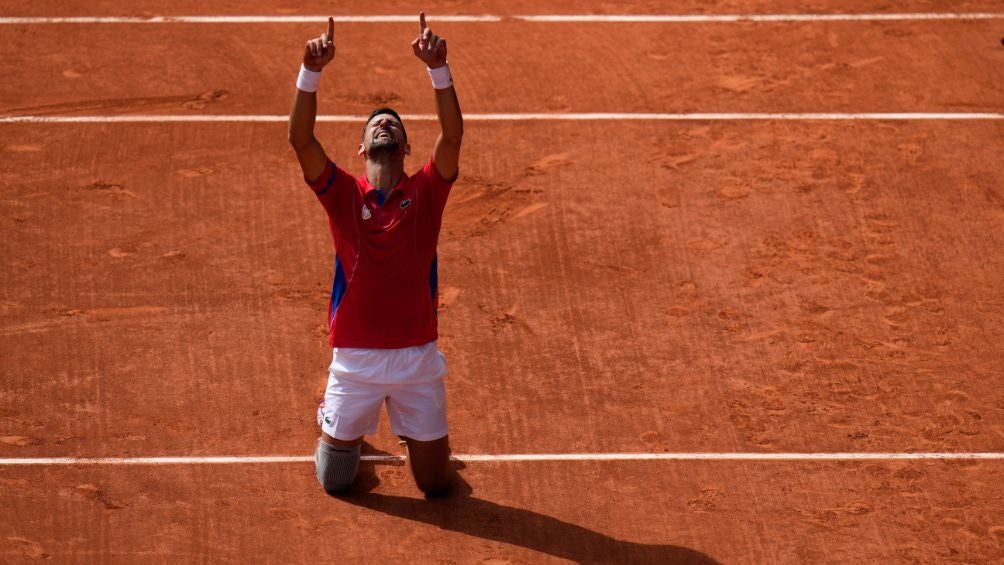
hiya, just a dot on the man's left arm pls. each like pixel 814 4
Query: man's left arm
pixel 431 49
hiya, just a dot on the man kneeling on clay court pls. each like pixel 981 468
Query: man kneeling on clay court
pixel 382 315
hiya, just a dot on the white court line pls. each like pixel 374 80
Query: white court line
pixel 740 456
pixel 492 18
pixel 597 116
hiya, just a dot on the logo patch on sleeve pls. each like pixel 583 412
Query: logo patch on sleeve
pixel 405 203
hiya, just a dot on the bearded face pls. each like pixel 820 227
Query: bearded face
pixel 384 135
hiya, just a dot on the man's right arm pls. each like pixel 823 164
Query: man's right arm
pixel 317 53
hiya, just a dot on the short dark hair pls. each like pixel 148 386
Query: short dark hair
pixel 386 110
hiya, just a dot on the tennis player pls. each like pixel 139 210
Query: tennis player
pixel 382 315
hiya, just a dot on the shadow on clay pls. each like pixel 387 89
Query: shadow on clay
pixel 461 512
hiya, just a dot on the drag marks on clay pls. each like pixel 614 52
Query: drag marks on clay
pixel 480 205
pixel 106 188
pixel 479 208
pixel 57 319
pixel 193 102
pixel 196 172
pixel 23 148
pixel 529 209
pixel 28 548
pixel 8 306
pixel 19 441
pixel 92 493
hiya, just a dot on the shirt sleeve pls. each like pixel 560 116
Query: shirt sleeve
pixel 330 186
pixel 436 186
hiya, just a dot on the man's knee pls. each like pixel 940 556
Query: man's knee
pixel 337 466
pixel 434 487
pixel 430 465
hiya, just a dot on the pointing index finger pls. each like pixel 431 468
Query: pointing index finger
pixel 331 29
pixel 421 22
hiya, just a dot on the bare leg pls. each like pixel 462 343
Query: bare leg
pixel 430 464
pixel 340 443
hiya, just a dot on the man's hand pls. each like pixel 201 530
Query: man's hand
pixel 321 50
pixel 429 47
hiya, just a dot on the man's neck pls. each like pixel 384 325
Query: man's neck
pixel 384 174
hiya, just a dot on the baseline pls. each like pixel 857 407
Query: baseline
pixel 738 456
pixel 500 117
pixel 492 18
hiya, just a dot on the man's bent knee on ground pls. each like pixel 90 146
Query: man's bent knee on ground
pixel 430 465
pixel 336 466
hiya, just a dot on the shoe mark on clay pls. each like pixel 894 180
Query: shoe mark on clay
pixel 739 84
pixel 674 161
pixel 845 516
pixel 204 99
pixel 686 299
pixel 392 475
pixel 853 183
pixel 912 151
pixel 547 164
pixel 668 196
pixel 292 516
pixel 736 188
pixel 707 501
pixel 757 411
pixel 447 296
pixel 558 103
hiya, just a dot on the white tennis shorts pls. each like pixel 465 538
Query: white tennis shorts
pixel 409 380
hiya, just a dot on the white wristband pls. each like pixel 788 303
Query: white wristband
pixel 441 77
pixel 308 79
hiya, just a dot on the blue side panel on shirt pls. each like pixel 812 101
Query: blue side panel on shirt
pixel 337 288
pixel 434 278
pixel 331 179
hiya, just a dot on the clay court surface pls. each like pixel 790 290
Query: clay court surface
pixel 640 286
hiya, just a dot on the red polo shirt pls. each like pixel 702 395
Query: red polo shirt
pixel 384 291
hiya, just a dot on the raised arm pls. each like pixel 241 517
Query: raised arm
pixel 316 54
pixel 431 49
